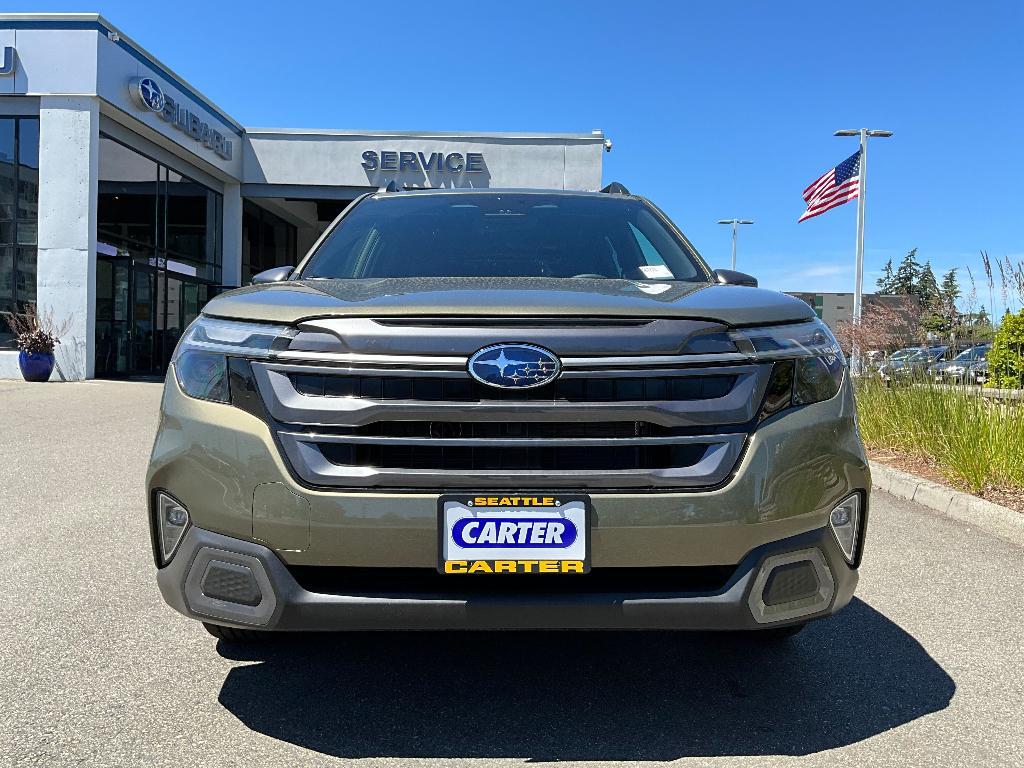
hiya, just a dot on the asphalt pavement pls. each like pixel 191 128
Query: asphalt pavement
pixel 924 668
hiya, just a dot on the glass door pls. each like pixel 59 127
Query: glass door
pixel 143 325
pixel 141 312
pixel 112 327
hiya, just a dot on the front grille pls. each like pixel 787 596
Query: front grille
pixel 342 580
pixel 466 390
pixel 513 457
pixel 412 420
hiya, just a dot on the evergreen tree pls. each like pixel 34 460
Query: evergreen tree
pixel 949 292
pixel 927 289
pixel 950 288
pixel 884 283
pixel 908 274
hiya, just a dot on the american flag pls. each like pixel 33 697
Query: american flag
pixel 839 185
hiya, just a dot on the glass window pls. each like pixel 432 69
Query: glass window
pixel 126 218
pixel 160 233
pixel 19 213
pixel 267 241
pixel 153 213
pixel 505 235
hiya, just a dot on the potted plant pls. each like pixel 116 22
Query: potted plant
pixel 36 336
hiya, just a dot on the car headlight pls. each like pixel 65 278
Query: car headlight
pixel 200 361
pixel 808 363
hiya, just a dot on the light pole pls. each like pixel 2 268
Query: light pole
pixel 735 230
pixel 862 194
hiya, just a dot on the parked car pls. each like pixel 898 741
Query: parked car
pixel 910 363
pixel 486 409
pixel 874 359
pixel 958 369
pixel 978 373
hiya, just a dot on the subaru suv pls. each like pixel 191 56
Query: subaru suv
pixel 485 409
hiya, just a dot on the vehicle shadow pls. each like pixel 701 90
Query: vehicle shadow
pixel 553 696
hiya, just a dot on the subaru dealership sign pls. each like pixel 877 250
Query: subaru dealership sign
pixel 149 94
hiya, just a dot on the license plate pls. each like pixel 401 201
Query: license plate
pixel 513 533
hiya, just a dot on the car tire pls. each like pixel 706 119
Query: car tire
pixel 232 635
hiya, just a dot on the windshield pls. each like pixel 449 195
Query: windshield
pixel 905 353
pixel 974 353
pixel 504 235
pixel 926 354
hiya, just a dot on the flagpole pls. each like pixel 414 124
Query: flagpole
pixel 862 199
pixel 858 289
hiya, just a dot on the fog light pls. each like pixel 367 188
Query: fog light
pixel 845 522
pixel 171 523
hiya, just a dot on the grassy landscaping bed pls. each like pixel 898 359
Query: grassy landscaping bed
pixel 952 433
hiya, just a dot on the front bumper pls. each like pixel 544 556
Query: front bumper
pixel 284 605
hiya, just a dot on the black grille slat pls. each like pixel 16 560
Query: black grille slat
pixel 582 390
pixel 514 457
pixel 536 430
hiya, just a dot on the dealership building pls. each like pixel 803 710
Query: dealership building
pixel 128 199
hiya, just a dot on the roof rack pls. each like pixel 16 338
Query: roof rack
pixel 615 189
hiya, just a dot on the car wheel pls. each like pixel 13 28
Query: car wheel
pixel 232 635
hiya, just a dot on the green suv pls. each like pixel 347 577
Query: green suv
pixel 487 409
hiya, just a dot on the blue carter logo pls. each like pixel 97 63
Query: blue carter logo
pixel 514 366
pixel 471 532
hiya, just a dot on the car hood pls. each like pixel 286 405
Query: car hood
pixel 292 301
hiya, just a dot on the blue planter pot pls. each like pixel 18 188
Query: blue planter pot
pixel 36 366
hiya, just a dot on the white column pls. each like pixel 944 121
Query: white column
pixel 66 271
pixel 232 242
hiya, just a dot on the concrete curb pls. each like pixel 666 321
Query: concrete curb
pixel 993 518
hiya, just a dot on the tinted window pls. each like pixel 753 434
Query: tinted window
pixel 504 235
pixel 974 353
pixel 19 196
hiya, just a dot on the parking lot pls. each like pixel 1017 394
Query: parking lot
pixel 923 669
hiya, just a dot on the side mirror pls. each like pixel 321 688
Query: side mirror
pixel 272 275
pixel 732 277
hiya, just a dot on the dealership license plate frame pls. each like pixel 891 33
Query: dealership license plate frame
pixel 563 499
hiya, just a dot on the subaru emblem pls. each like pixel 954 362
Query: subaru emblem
pixel 514 366
pixel 148 93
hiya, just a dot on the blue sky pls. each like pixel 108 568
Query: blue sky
pixel 716 109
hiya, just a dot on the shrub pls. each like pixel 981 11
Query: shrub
pixel 1006 359
pixel 972 439
pixel 35 332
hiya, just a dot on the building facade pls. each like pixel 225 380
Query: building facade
pixel 128 199
pixel 834 309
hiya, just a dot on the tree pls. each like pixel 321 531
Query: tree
pixel 949 292
pixel 1006 359
pixel 885 282
pixel 908 275
pixel 950 288
pixel 927 288
pixel 976 327
pixel 885 324
pixel 933 319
